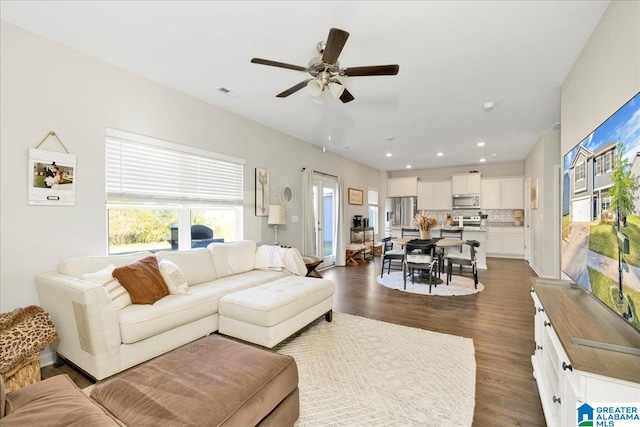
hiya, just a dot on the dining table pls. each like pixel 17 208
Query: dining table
pixel 440 243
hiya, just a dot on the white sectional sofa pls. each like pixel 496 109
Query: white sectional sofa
pixel 102 339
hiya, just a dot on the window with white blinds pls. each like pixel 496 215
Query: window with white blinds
pixel 143 169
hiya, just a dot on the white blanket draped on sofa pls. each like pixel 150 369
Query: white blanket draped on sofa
pixel 269 256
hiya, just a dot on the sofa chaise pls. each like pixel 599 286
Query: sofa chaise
pixel 103 333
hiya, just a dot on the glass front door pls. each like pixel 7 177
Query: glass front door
pixel 325 208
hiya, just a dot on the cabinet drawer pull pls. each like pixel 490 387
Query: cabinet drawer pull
pixel 547 323
pixel 532 290
pixel 556 400
pixel 538 347
pixel 565 367
pixel 540 309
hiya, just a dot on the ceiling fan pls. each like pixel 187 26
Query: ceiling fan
pixel 325 69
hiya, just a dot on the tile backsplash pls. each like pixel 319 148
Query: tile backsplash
pixel 495 215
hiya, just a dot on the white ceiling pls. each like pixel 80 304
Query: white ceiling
pixel 454 56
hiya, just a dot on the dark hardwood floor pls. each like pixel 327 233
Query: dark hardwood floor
pixel 499 320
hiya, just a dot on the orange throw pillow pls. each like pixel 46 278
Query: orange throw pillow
pixel 142 280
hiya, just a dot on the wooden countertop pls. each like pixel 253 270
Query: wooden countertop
pixel 574 312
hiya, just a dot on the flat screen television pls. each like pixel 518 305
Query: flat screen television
pixel 594 234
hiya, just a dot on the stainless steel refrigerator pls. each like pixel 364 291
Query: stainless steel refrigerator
pixel 402 211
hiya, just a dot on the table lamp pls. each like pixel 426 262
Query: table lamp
pixel 518 214
pixel 277 216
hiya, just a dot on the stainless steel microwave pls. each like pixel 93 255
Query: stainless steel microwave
pixel 466 201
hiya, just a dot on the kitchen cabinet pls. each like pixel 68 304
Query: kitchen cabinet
pixel 442 196
pixel 513 241
pixel 466 183
pixel 566 372
pixel 512 193
pixel 505 242
pixel 434 196
pixel 490 197
pixel 425 196
pixel 402 187
pixel 502 193
pixel 494 240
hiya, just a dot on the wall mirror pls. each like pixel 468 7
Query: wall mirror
pixel 287 195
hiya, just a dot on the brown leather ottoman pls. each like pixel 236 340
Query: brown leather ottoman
pixel 214 381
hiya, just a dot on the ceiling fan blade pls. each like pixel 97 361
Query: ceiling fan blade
pixel 292 89
pixel 277 64
pixel 335 42
pixel 373 70
pixel 346 96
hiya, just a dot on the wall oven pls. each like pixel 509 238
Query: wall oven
pixel 466 201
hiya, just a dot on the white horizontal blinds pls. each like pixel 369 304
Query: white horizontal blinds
pixel 143 171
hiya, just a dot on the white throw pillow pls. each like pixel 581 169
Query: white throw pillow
pixel 174 277
pixel 116 291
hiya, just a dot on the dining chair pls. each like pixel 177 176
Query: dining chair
pixel 390 255
pixel 463 259
pixel 449 234
pixel 421 258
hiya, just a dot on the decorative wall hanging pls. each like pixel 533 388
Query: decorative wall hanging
pixel 262 192
pixel 355 196
pixel 534 193
pixel 51 176
pixel 287 194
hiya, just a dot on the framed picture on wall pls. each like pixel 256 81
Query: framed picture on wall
pixel 355 197
pixel 51 178
pixel 262 192
pixel 534 193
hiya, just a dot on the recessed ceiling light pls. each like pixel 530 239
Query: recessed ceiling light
pixel 494 155
pixel 488 106
pixel 389 138
pixel 408 166
pixel 482 160
pixel 388 154
pixel 440 154
pixel 481 144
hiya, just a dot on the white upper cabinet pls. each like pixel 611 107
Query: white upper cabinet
pixel 512 193
pixel 394 187
pixel 425 196
pixel 502 193
pixel 442 195
pixel 434 196
pixel 466 183
pixel 490 194
pixel 402 187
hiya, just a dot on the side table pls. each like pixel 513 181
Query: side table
pixel 312 262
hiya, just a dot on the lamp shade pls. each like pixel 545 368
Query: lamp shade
pixel 336 90
pixel 277 215
pixel 315 87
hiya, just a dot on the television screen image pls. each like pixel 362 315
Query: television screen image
pixel 601 212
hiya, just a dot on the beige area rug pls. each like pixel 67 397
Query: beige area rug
pixel 362 372
pixel 458 285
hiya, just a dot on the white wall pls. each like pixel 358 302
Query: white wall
pixel 541 164
pixel 605 76
pixel 47 86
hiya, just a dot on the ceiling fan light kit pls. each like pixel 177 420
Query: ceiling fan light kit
pixel 325 68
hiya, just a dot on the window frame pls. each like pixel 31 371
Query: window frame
pixel 184 205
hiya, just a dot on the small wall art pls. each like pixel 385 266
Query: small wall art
pixel 262 192
pixel 51 178
pixel 534 194
pixel 355 196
